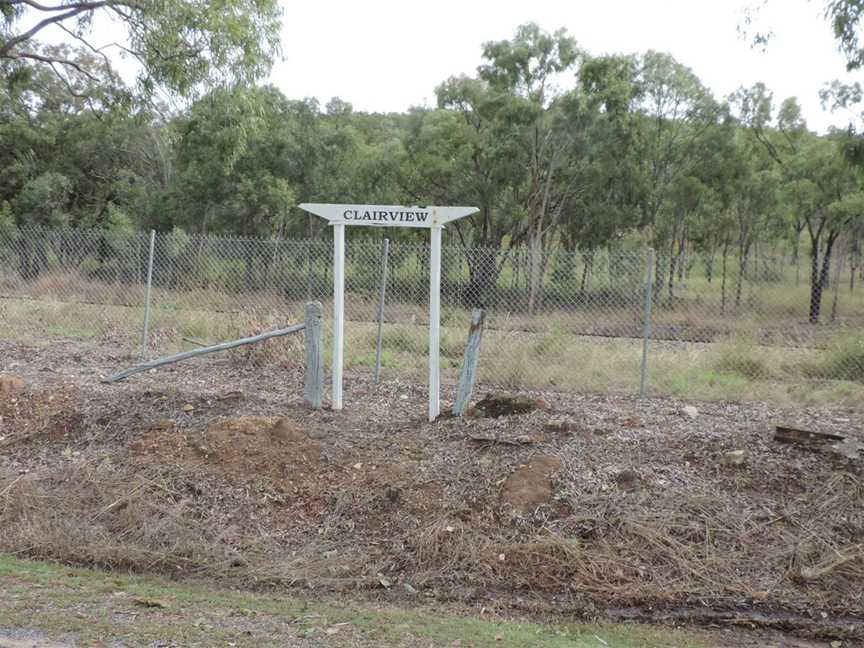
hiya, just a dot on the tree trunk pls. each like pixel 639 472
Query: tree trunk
pixel 742 270
pixel 673 259
pixel 659 279
pixel 818 277
pixel 535 267
pixel 587 267
pixel 482 278
pixel 836 289
pixel 723 277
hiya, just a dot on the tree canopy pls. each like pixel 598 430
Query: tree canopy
pixel 557 147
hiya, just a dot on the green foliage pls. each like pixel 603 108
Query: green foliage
pixel 556 147
pixel 181 46
pixel 44 200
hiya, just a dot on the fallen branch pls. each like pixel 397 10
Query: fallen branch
pixel 805 438
pixel 834 444
pixel 224 346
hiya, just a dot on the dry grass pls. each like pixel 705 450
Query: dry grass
pixel 285 351
pixel 783 360
pixel 96 513
pixel 157 519
pixel 675 550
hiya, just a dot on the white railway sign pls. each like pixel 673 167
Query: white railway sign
pixel 433 218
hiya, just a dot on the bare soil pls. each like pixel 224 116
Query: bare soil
pixel 595 506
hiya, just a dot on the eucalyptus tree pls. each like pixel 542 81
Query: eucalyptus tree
pixel 822 184
pixel 509 140
pixel 829 192
pixel 234 162
pixel 461 153
pixel 671 115
pixel 179 45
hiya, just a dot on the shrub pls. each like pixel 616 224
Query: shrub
pixel 844 359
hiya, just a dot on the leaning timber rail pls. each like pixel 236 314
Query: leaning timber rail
pixel 314 355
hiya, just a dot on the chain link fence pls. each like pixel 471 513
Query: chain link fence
pixel 706 326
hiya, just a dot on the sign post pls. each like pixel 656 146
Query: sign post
pixel 338 307
pixel 434 322
pixel 431 218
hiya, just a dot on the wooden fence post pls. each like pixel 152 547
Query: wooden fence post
pixel 313 389
pixel 469 363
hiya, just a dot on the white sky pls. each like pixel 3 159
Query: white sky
pixel 387 55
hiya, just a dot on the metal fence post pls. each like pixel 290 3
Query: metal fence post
pixel 145 336
pixel 382 292
pixel 646 323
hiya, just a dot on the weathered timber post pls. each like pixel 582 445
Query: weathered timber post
pixel 313 389
pixel 469 363
pixel 382 294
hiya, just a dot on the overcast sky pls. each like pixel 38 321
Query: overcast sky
pixel 387 55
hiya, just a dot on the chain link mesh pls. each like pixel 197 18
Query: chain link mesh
pixel 718 327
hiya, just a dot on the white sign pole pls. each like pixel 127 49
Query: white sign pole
pixel 434 322
pixel 338 311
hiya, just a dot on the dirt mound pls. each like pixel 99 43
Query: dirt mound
pixel 530 486
pixel 243 448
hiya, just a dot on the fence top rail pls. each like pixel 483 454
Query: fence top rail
pixel 359 244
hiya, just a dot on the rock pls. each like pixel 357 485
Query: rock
pixel 689 411
pixel 628 480
pixel 12 385
pixel 542 404
pixel 501 404
pixel 561 424
pixel 735 458
pixel 530 485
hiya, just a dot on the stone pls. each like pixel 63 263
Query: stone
pixel 689 411
pixel 735 458
pixel 542 404
pixel 530 486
